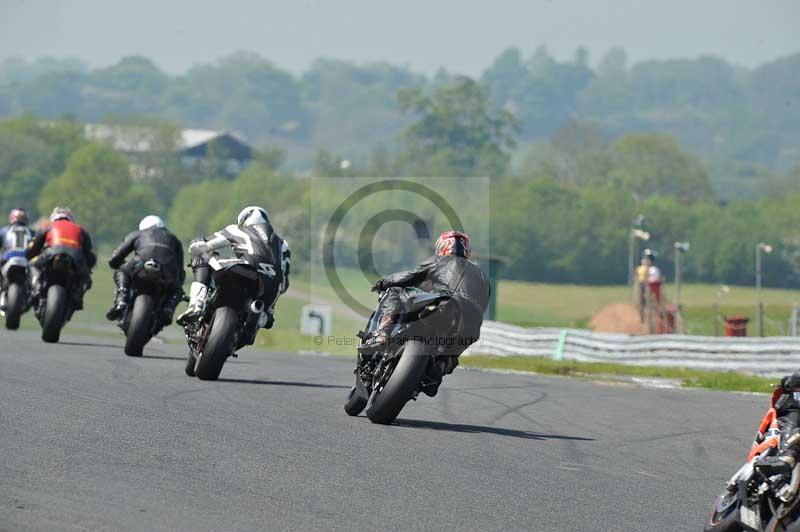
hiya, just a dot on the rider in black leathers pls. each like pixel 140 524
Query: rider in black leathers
pixel 151 241
pixel 451 271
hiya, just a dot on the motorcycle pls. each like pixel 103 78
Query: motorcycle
pixel 390 375
pixel 752 500
pixel 15 288
pixel 229 320
pixel 54 294
pixel 142 320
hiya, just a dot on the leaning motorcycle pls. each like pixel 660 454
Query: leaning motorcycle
pixel 54 294
pixel 754 501
pixel 15 289
pixel 391 374
pixel 230 317
pixel 142 319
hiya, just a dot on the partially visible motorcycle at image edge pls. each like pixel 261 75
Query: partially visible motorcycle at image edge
pixel 230 318
pixel 753 500
pixel 14 297
pixel 142 319
pixel 391 374
pixel 55 293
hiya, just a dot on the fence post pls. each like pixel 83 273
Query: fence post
pixel 793 320
pixel 562 341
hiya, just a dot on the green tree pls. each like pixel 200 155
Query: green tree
pixel 96 186
pixel 191 215
pixel 651 164
pixel 457 131
pixel 31 154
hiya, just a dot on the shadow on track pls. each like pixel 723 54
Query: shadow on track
pixel 90 344
pixel 165 357
pixel 481 429
pixel 284 383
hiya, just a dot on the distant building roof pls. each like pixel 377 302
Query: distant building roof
pixel 191 142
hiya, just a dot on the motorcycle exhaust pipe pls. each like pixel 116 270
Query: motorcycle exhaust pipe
pixel 257 306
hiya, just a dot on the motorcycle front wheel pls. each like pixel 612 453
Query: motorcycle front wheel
pixel 357 398
pixel 385 405
pixel 724 515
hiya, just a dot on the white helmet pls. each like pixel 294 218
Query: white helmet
pixel 61 213
pixel 151 221
pixel 252 216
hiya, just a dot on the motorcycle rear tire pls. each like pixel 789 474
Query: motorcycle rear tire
pixel 384 407
pixel 140 326
pixel 15 305
pixel 219 345
pixel 357 398
pixel 55 312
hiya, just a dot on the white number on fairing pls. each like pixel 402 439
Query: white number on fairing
pixel 750 518
pixel 266 269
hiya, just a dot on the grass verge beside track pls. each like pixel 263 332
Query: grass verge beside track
pixel 691 378
pixel 286 337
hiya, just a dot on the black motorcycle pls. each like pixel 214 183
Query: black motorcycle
pixel 389 375
pixel 142 319
pixel 15 289
pixel 229 320
pixel 54 296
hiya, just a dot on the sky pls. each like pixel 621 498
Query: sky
pixel 461 35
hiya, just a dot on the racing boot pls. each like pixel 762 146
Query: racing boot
pixel 168 308
pixel 197 300
pixel 121 297
pixel 433 377
pixel 77 295
pixel 381 335
pixel 785 460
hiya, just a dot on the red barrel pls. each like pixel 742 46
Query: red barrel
pixel 736 326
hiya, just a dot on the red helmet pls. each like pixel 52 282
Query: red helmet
pixel 18 216
pixel 453 243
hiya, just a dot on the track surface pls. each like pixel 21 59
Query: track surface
pixel 93 440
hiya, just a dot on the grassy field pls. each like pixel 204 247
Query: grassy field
pixel 285 335
pixel 717 380
pixel 534 304
pixel 527 304
pixel 553 305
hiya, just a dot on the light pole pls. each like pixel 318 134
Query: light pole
pixel 766 248
pixel 635 233
pixel 721 291
pixel 680 249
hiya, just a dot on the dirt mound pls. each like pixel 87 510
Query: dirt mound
pixel 618 318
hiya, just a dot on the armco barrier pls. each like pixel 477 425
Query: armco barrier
pixel 776 355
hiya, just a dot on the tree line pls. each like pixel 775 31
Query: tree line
pixel 561 215
pixel 743 122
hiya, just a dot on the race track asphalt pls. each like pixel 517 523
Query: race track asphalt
pixel 93 440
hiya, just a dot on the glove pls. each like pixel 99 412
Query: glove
pixel 379 286
pixel 791 383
